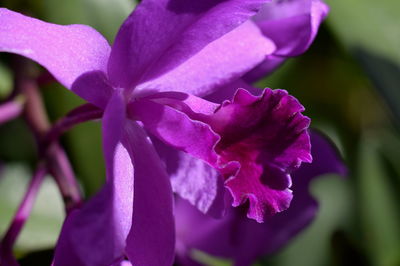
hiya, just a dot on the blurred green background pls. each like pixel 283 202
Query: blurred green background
pixel 349 82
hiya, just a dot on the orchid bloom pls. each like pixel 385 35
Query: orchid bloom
pixel 244 241
pixel 165 51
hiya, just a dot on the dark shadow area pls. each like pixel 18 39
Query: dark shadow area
pixel 385 76
pixel 193 7
pixel 42 257
pixel 345 252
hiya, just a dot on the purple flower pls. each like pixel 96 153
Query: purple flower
pixel 164 51
pixel 244 241
pixel 262 139
pixel 292 26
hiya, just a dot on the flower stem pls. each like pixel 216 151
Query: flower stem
pixel 78 115
pixel 10 110
pixel 21 215
pixel 35 115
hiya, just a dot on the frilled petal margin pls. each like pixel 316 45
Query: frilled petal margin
pixel 146 48
pixel 268 136
pixel 102 223
pixel 161 115
pixel 65 51
pixel 254 142
pixel 243 240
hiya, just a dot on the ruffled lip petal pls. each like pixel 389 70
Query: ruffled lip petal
pixel 65 51
pixel 268 137
pixel 243 240
pixel 254 142
pixel 326 160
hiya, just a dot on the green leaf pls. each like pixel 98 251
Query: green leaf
pixel 6 83
pixel 385 75
pixel 103 15
pixel 368 24
pixel 17 142
pixel 206 259
pixel 379 208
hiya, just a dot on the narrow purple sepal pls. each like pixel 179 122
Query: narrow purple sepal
pixel 96 234
pixel 151 240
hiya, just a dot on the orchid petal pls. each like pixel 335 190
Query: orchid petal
pixel 66 51
pixel 220 62
pixel 164 116
pixel 184 102
pixel 193 180
pixel 176 129
pixel 147 47
pixel 303 209
pixel 260 141
pixel 229 90
pixel 122 263
pixel 151 240
pixel 292 25
pixel 244 241
pixel 270 64
pixel 93 87
pixel 267 136
pixel 102 223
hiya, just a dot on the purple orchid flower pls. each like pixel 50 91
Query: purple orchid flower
pixel 164 51
pixel 244 241
pixel 292 25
